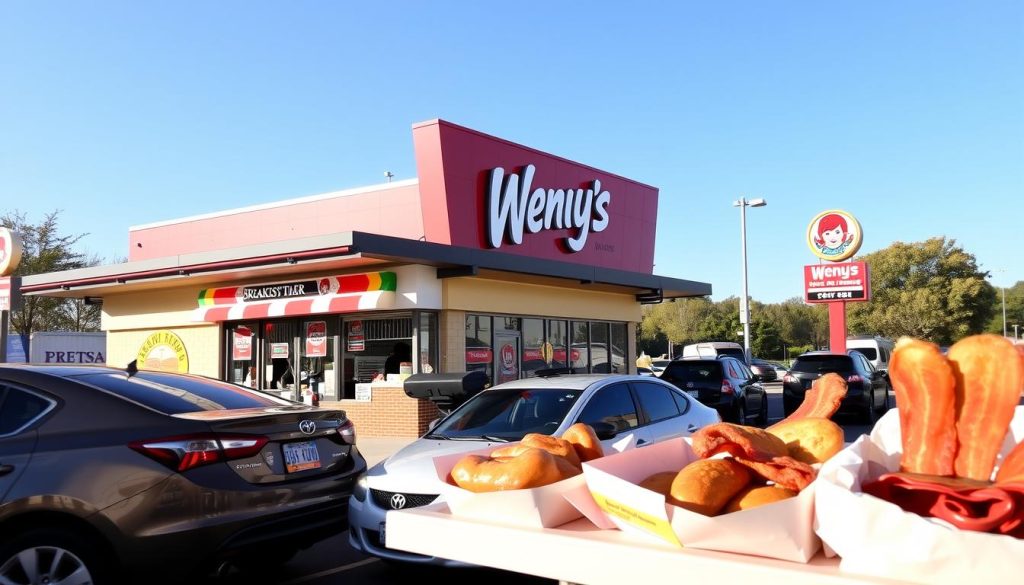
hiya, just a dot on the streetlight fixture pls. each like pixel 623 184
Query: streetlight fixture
pixel 745 300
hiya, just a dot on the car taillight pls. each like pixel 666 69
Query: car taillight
pixel 185 452
pixel 347 432
pixel 727 388
pixel 789 378
pixel 854 379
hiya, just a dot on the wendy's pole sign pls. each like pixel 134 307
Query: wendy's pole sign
pixel 834 236
pixel 10 286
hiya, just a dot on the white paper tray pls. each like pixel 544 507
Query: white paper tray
pixel 579 552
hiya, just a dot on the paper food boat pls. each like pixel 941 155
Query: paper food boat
pixel 877 538
pixel 542 507
pixel 781 530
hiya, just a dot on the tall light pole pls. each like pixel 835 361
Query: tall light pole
pixel 1004 311
pixel 745 300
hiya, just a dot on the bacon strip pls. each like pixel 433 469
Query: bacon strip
pixel 1012 468
pixel 739 441
pixel 783 471
pixel 925 396
pixel 822 400
pixel 989 378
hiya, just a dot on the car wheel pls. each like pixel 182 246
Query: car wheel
pixel 740 413
pixel 52 556
pixel 885 403
pixel 762 416
pixel 870 414
pixel 788 405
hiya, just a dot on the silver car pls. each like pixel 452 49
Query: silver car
pixel 615 405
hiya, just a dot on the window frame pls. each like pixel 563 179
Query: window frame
pixel 7 387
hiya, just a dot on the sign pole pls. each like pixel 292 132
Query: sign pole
pixel 4 316
pixel 837 327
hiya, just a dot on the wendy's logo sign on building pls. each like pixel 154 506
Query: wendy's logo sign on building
pixel 10 251
pixel 515 207
pixel 834 235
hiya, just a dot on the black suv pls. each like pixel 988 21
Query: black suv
pixel 867 388
pixel 724 383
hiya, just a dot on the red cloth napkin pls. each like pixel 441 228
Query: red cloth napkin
pixel 991 508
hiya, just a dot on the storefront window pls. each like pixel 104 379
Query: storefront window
pixel 533 357
pixel 241 354
pixel 318 357
pixel 600 362
pixel 279 349
pixel 580 347
pixel 619 348
pixel 426 337
pixel 558 338
pixel 479 344
pixel 374 348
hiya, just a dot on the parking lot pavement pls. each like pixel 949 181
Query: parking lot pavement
pixel 376 449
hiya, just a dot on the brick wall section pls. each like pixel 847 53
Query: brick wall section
pixel 390 413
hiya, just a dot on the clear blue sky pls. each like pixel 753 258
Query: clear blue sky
pixel 908 114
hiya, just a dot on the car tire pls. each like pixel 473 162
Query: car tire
pixel 739 413
pixel 885 403
pixel 762 415
pixel 788 405
pixel 870 414
pixel 78 556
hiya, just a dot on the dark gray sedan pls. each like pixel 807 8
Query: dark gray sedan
pixel 107 475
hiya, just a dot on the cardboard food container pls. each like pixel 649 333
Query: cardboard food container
pixel 781 530
pixel 876 538
pixel 542 507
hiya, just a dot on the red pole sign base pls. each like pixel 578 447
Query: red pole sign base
pixel 837 327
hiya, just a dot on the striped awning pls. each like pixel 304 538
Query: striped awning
pixel 327 294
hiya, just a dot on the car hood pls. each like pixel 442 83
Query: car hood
pixel 411 468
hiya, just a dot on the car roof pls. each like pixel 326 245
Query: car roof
pixel 567 381
pixel 62 370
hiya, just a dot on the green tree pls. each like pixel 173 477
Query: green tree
pixel 1014 310
pixel 46 250
pixel 931 290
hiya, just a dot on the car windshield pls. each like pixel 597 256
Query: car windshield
pixel 695 371
pixel 731 351
pixel 508 414
pixel 822 363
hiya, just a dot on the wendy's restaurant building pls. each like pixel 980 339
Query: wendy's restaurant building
pixel 498 258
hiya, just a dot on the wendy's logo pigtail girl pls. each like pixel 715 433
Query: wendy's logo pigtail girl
pixel 833 235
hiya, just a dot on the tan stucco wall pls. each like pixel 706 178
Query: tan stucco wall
pixel 499 296
pixel 130 318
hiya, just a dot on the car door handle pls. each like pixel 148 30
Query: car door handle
pixel 691 427
pixel 5 469
pixel 641 442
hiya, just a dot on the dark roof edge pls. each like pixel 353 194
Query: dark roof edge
pixel 369 246
pixel 375 245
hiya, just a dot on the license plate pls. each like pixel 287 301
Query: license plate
pixel 300 456
pixel 693 393
pixel 383 541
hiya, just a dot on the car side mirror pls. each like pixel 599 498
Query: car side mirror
pixel 604 431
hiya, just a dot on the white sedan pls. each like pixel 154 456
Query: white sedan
pixel 614 405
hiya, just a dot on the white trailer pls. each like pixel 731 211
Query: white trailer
pixel 68 347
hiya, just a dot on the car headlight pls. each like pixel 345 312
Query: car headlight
pixel 360 488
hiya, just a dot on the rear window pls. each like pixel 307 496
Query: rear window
pixel 695 371
pixel 176 394
pixel 869 352
pixel 822 363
